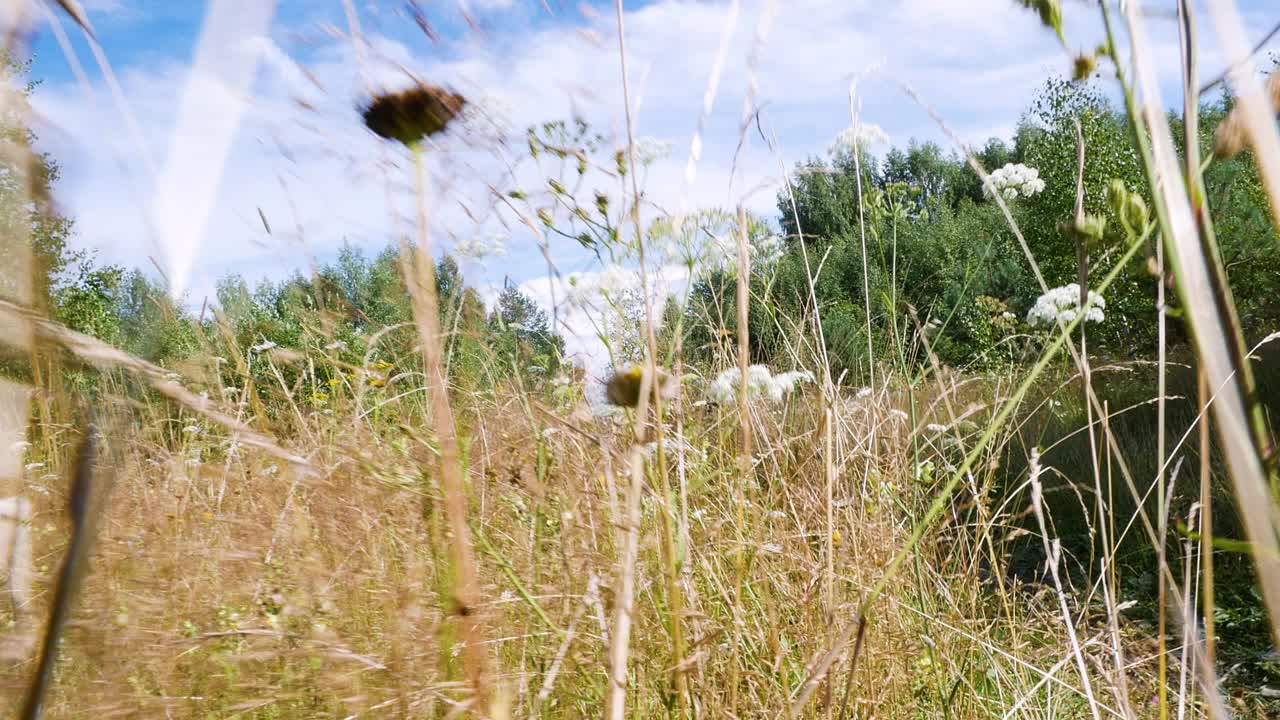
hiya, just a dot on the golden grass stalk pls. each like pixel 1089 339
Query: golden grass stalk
pixel 1212 326
pixel 420 281
pixel 675 596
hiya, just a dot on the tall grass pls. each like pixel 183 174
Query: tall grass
pixel 935 545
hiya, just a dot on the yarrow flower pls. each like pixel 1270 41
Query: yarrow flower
pixel 610 283
pixel 1015 180
pixel 861 135
pixel 1063 303
pixel 476 247
pixel 650 149
pixel 722 253
pixel 760 383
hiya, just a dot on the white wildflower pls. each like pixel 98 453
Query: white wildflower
pixel 760 383
pixel 935 428
pixel 31 467
pixel 862 135
pixel 864 392
pixel 1063 303
pixel 478 247
pixel 264 345
pixel 580 291
pixel 1015 180
pixel 191 429
pixel 649 150
pixel 611 283
pixel 720 253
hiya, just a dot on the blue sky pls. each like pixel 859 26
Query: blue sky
pixel 317 175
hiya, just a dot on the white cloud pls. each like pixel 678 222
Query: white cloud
pixel 302 158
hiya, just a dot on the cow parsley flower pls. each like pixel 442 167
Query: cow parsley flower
pixel 615 280
pixel 1063 303
pixel 650 149
pixel 611 283
pixel 862 135
pixel 721 253
pixel 1014 181
pixel 477 247
pixel 760 383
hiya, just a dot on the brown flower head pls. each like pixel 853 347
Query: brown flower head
pixel 623 389
pixel 412 114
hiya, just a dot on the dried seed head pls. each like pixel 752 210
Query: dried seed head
pixel 1083 66
pixel 1230 137
pixel 623 389
pixel 412 114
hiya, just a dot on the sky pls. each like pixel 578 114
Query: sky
pixel 230 139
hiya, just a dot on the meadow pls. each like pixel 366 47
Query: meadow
pixel 881 456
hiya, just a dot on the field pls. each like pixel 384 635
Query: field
pixel 874 458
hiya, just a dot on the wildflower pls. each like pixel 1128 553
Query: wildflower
pixel 760 383
pixel 623 389
pixel 412 114
pixel 615 280
pixel 264 345
pixel 935 428
pixel 721 253
pixel 31 467
pixel 1014 181
pixel 859 136
pixel 478 248
pixel 864 392
pixel 1063 304
pixel 650 150
pixel 191 429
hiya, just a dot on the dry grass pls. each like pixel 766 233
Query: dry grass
pixel 510 553
pixel 327 594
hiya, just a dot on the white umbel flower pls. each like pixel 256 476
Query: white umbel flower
pixel 478 247
pixel 1063 303
pixel 760 383
pixel 1014 181
pixel 862 135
